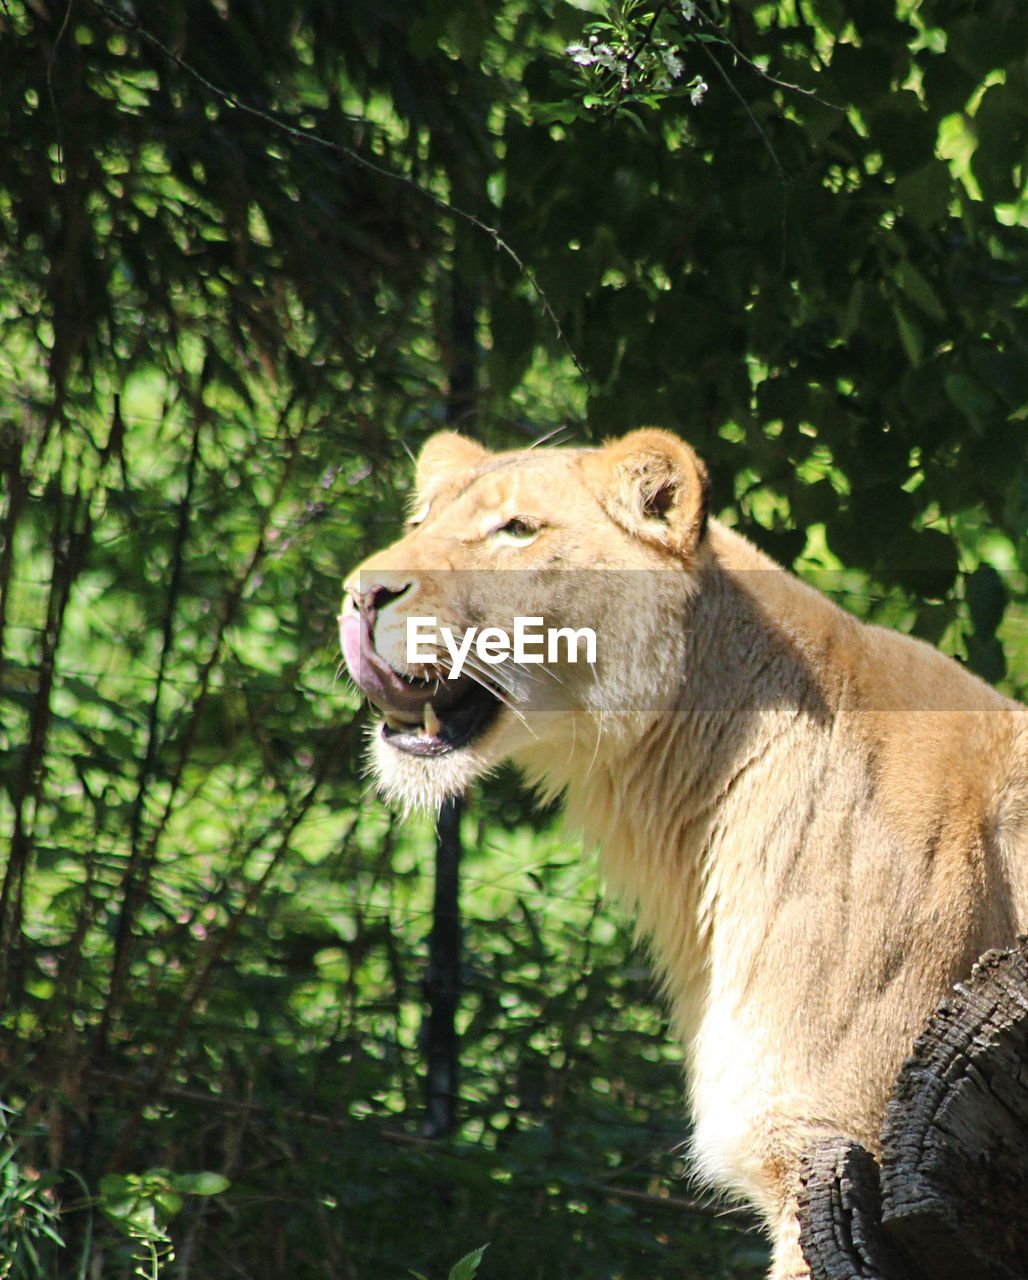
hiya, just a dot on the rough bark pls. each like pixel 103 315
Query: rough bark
pixel 955 1141
pixel 840 1213
pixel 951 1201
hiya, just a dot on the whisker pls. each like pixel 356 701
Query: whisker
pixel 488 676
pixel 596 748
pixel 525 669
pixel 491 674
pixel 550 435
pixel 489 687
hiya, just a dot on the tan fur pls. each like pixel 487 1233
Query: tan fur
pixel 818 824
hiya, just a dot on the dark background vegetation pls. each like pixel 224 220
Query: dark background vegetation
pixel 234 293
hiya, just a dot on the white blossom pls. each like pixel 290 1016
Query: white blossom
pixel 688 9
pixel 696 91
pixel 580 55
pixel 672 62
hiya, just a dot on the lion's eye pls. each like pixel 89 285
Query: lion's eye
pixel 518 531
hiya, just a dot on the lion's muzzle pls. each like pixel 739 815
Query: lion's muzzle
pixel 424 717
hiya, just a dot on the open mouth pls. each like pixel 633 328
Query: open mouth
pixel 444 726
pixel 422 717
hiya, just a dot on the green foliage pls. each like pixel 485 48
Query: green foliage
pixel 464 1269
pixel 235 292
pixel 626 59
pixel 29 1218
pixel 467 1267
pixel 142 1205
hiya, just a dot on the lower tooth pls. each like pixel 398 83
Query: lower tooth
pixel 433 725
pixel 396 725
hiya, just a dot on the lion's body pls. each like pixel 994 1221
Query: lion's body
pixel 818 824
pixel 817 854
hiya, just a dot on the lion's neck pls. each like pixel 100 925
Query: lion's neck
pixel 676 803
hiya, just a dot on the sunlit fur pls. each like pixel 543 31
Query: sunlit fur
pixel 818 824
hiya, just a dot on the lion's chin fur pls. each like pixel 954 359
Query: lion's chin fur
pixel 418 783
pixel 423 783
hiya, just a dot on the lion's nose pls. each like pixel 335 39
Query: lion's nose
pixel 372 592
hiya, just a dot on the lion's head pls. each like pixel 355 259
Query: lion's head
pixel 606 540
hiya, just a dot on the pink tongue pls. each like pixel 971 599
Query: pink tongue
pixel 374 676
pixel 350 639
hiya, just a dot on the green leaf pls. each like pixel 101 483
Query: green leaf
pixel 909 334
pixel 556 112
pixel 1004 374
pixel 831 14
pixel 467 1267
pixel 633 117
pixel 113 1185
pixel 904 132
pixel 814 503
pixel 1001 130
pixel 854 308
pixel 933 564
pixel 986 599
pixel 515 330
pixel 974 400
pixel 985 657
pixel 946 85
pixel 200 1184
pixel 918 290
pixel 925 194
pixel 168 1202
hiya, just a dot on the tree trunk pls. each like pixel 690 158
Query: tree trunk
pixel 954 1180
pixel 442 983
pixel 840 1213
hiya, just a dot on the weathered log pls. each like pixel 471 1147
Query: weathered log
pixel 955 1140
pixel 951 1201
pixel 840 1213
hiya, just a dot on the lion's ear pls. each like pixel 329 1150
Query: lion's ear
pixel 655 487
pixel 446 453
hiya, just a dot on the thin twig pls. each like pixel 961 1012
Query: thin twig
pixel 765 75
pixel 678 1204
pixel 634 56
pixel 746 107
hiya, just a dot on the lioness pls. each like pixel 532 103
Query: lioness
pixel 819 824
